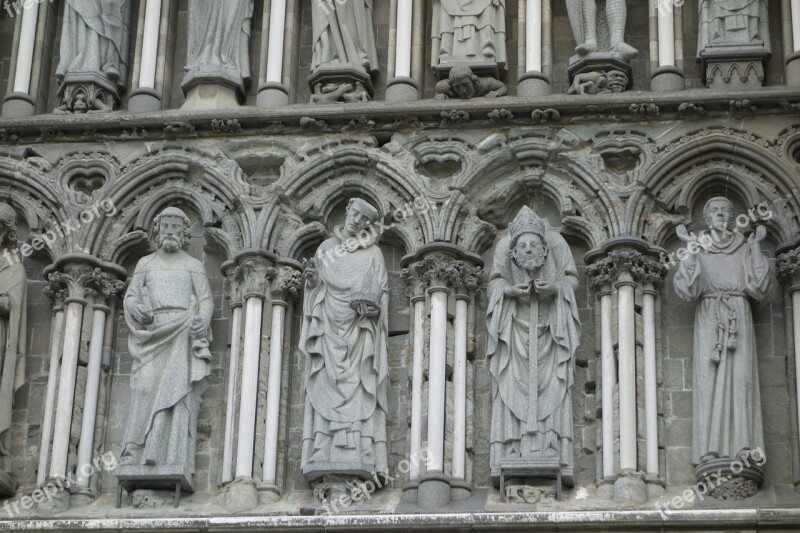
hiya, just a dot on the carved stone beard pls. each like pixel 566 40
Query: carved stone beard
pixel 532 261
pixel 170 244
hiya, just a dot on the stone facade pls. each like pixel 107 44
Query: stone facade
pixel 614 174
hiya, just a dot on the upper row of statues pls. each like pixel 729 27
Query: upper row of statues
pixel 467 34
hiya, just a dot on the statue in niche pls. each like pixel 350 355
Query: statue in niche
pixel 344 342
pixel 733 22
pixel 604 31
pixel 218 45
pixel 345 57
pixel 13 310
pixel 463 83
pixel 533 332
pixel 725 271
pixel 168 308
pixel 469 31
pixel 93 66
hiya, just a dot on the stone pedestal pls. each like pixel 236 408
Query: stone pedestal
pixel 155 477
pixel 272 95
pixel 600 62
pixel 434 491
pixel 667 80
pixel 18 105
pixel 212 90
pixel 95 90
pixel 340 82
pixel 792 70
pixel 402 89
pixel 728 478
pixel 144 100
pixel 630 488
pixel 734 66
pixel 533 84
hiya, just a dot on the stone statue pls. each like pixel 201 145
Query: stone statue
pixel 93 65
pixel 168 309
pixel 344 343
pixel 587 26
pixel 532 316
pixel 469 31
pixel 463 83
pixel 733 22
pixel 13 312
pixel 723 270
pixel 344 57
pixel 218 45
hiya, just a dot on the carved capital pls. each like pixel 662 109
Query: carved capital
pixel 104 286
pixel 55 289
pixel 75 278
pixel 642 268
pixel 788 267
pixel 255 273
pixel 469 276
pixel 232 276
pixel 286 283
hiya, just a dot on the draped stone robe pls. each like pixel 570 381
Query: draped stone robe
pixel 343 33
pixel 12 341
pixel 169 365
pixel 733 22
pixel 346 365
pixel 508 321
pixel 95 39
pixel 727 401
pixel 468 31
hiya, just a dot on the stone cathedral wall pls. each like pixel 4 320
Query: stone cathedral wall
pixel 601 169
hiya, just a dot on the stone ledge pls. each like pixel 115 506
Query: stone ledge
pixel 578 521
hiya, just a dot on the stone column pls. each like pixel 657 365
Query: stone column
pixel 533 82
pixel 788 269
pixel 80 276
pixel 440 267
pixel 102 288
pixel 791 18
pixel 272 92
pixel 145 98
pixel 56 290
pixel 402 87
pixel 234 296
pixel 255 269
pixel 284 287
pixel 30 42
pixel 666 77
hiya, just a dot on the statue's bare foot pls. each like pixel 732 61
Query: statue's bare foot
pixel 627 51
pixel 586 48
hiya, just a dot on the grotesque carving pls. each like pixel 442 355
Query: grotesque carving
pixel 534 330
pixel 13 291
pixel 168 309
pixel 93 69
pixel 343 339
pixel 584 19
pixel 344 55
pixel 469 31
pixel 613 81
pixel 463 83
pixel 219 37
pixel 721 271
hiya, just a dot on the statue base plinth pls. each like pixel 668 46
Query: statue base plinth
pixel 340 82
pixel 155 477
pixel 734 66
pixel 144 100
pixel 728 478
pixel 667 80
pixel 209 90
pixel 434 491
pixel 533 84
pixel 483 69
pixel 533 468
pixel 630 488
pixel 96 91
pixel 600 62
pixel 402 89
pixel 18 105
pixel 272 95
pixel 792 70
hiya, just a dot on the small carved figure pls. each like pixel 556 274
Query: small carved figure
pixel 330 93
pixel 613 81
pixel 463 83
